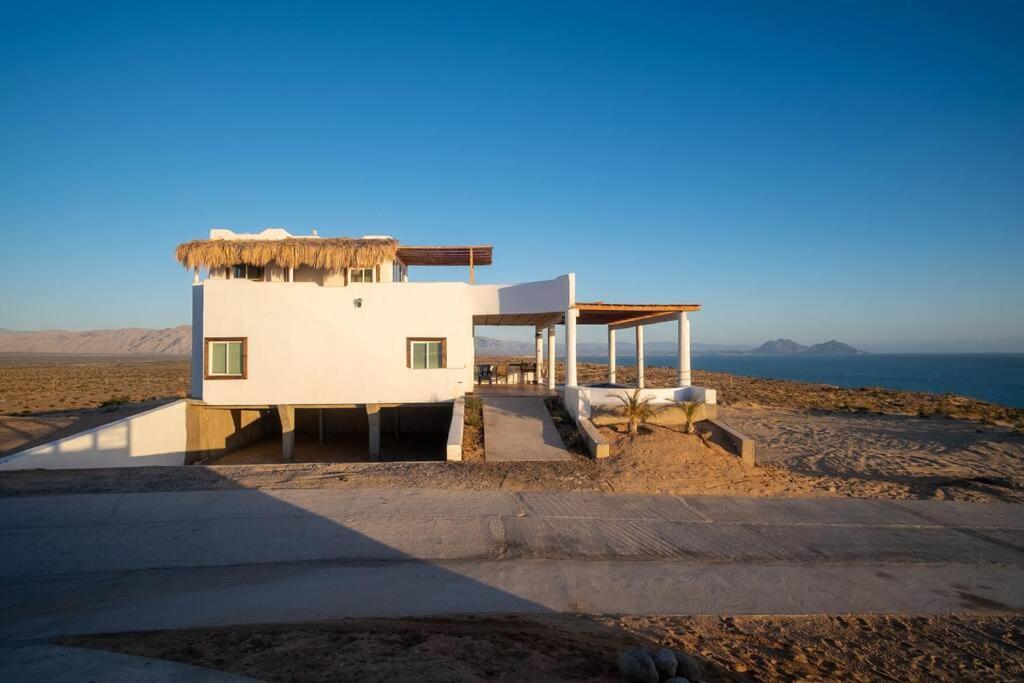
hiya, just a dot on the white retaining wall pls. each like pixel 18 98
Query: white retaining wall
pixel 155 437
pixel 579 400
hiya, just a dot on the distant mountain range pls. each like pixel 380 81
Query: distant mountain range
pixel 788 347
pixel 178 340
pixel 172 340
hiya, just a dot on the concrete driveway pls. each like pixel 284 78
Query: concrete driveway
pixel 115 562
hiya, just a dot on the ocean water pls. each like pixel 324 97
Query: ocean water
pixel 998 378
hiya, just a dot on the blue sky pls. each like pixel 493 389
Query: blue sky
pixel 819 170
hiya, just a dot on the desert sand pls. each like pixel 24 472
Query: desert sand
pixel 812 441
pixel 576 647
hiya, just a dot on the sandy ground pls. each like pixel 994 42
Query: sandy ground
pixel 826 457
pixel 48 383
pixel 568 647
pixel 848 450
pixel 889 456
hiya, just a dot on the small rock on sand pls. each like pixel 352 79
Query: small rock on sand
pixel 689 667
pixel 665 662
pixel 636 666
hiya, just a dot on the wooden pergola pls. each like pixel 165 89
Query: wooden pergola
pixel 470 255
pixel 616 317
pixel 619 316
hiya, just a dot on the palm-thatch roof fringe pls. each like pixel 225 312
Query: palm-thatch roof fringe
pixel 331 253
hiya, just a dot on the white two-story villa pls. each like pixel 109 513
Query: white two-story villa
pixel 331 340
pixel 308 324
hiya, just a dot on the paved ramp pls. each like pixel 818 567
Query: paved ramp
pixel 520 429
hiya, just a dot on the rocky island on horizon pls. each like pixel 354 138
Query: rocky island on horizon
pixel 788 347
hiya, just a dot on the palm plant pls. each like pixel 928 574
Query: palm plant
pixel 638 410
pixel 689 410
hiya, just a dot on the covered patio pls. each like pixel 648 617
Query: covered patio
pixel 617 317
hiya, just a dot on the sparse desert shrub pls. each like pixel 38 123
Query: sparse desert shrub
pixel 689 410
pixel 114 402
pixel 474 416
pixel 637 410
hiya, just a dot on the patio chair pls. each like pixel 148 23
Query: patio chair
pixel 529 372
pixel 485 372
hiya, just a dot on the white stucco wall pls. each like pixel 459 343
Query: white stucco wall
pixel 579 400
pixel 155 437
pixel 311 345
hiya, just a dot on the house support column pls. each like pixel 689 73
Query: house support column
pixel 570 347
pixel 373 422
pixel 683 378
pixel 551 357
pixel 611 355
pixel 640 356
pixel 538 342
pixel 287 415
pixel 320 427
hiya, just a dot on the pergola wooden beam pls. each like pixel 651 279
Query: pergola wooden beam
pixel 645 320
pixel 627 315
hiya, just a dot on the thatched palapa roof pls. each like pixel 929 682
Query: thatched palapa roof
pixel 331 253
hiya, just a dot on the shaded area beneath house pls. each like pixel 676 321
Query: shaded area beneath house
pixel 414 433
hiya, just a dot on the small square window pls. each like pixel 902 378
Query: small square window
pixel 360 274
pixel 427 354
pixel 244 271
pixel 225 358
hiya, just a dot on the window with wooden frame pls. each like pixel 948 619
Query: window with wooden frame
pixel 426 353
pixel 361 275
pixel 226 357
pixel 243 271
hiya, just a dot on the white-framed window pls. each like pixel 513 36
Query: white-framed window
pixel 243 271
pixel 226 358
pixel 426 353
pixel 360 274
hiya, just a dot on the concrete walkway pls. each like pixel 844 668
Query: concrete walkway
pixel 520 429
pixel 139 561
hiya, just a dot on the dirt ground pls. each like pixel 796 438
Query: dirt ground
pixel 849 450
pixel 889 456
pixel 985 467
pixel 43 383
pixel 568 647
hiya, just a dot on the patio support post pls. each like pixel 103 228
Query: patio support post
pixel 570 347
pixel 373 422
pixel 611 355
pixel 684 350
pixel 538 339
pixel 551 357
pixel 640 356
pixel 287 415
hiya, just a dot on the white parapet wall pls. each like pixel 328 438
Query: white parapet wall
pixel 155 437
pixel 580 400
pixel 453 449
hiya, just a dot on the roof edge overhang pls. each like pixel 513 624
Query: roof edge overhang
pixel 629 315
